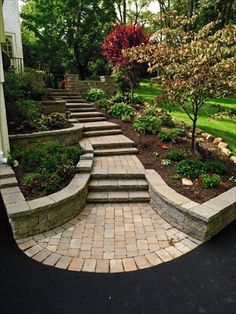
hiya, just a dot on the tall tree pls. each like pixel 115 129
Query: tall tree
pixel 194 68
pixel 71 31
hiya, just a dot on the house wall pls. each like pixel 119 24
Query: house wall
pixel 11 19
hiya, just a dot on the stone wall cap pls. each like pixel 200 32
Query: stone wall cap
pixel 18 209
pixel 41 203
pixel 203 212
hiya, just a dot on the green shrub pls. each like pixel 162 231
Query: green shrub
pixel 54 121
pixel 175 177
pixel 48 164
pixel 121 84
pixel 175 155
pixel 171 135
pixel 95 94
pixel 150 124
pixel 215 167
pixel 121 111
pixel 163 115
pixel 28 109
pixel 210 181
pixel 190 168
pixel 47 182
pixel 103 103
pixel 165 162
pixel 126 98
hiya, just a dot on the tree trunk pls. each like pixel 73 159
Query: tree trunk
pixel 124 11
pixel 193 147
pixel 190 8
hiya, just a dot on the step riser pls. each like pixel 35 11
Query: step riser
pixel 119 200
pixel 90 109
pixel 75 101
pixel 100 128
pixel 102 133
pixel 86 115
pixel 98 153
pixel 95 119
pixel 118 176
pixel 98 147
pixel 107 188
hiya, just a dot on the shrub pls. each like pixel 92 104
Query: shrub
pixel 171 135
pixel 28 109
pixel 103 103
pixel 121 84
pixel 215 167
pixel 190 168
pixel 150 124
pixel 165 162
pixel 122 111
pixel 48 164
pixel 95 94
pixel 47 182
pixel 54 121
pixel 210 181
pixel 162 114
pixel 126 98
pixel 175 155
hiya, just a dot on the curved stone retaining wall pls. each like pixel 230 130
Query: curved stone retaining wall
pixel 29 218
pixel 201 221
pixel 50 106
pixel 67 136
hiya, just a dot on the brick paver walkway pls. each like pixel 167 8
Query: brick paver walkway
pixel 111 237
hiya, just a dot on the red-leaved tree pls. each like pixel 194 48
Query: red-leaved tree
pixel 121 37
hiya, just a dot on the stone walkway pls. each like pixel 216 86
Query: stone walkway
pixel 110 238
pixel 119 231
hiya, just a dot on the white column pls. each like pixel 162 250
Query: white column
pixel 4 139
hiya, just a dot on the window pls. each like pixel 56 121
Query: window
pixel 8 46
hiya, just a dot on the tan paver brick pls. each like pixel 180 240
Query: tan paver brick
pixel 33 250
pixel 153 259
pixel 164 255
pixel 76 264
pixel 63 262
pixel 52 259
pixel 129 264
pixel 102 266
pixel 42 255
pixel 89 265
pixel 141 262
pixel 26 245
pixel 116 266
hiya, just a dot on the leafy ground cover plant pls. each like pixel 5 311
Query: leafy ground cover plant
pixel 95 94
pixel 121 111
pixel 190 168
pixel 210 181
pixel 171 135
pixel 147 123
pixel 46 165
pixel 175 155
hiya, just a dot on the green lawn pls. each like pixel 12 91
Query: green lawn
pixel 219 128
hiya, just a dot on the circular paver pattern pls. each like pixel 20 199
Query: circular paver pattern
pixel 110 238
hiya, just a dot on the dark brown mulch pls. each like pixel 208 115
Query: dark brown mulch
pixel 33 194
pixel 27 130
pixel 152 151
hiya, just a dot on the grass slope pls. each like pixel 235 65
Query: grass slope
pixel 219 128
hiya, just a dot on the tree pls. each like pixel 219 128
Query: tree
pixel 123 37
pixel 194 68
pixel 71 32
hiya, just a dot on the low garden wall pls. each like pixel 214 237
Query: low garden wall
pixel 106 83
pixel 201 221
pixel 50 106
pixel 29 218
pixel 67 136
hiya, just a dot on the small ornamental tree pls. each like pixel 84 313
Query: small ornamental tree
pixel 122 37
pixel 193 67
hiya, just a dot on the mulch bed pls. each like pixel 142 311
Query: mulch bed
pixel 152 151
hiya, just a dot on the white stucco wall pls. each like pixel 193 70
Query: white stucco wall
pixel 11 19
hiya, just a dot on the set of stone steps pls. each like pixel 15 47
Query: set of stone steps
pixel 102 138
pixel 7 177
pixel 112 145
pixel 113 187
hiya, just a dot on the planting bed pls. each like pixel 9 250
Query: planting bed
pixel 152 151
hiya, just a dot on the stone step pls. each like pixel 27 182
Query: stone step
pixel 92 119
pixel 75 101
pixel 88 114
pixel 80 109
pixel 112 197
pixel 102 132
pixel 8 182
pixel 119 174
pixel 79 105
pixel 96 126
pixel 118 185
pixel 115 151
